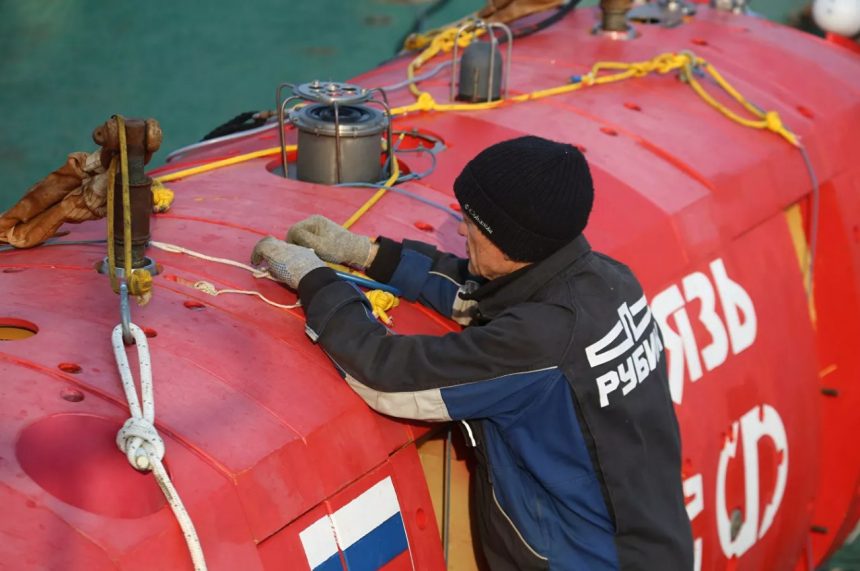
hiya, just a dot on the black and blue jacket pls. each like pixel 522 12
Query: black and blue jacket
pixel 560 376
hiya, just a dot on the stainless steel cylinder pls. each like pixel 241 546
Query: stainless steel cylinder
pixel 480 65
pixel 354 139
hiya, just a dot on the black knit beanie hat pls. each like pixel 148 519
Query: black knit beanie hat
pixel 529 196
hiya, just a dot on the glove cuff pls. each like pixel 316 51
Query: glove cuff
pixel 358 249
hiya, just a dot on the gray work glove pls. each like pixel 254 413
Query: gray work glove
pixel 331 241
pixel 287 263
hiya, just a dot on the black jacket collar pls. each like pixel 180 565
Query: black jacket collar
pixel 501 293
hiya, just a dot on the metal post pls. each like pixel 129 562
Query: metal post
pixel 388 131
pixel 446 498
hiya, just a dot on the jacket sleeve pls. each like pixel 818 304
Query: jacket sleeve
pixel 424 274
pixel 482 371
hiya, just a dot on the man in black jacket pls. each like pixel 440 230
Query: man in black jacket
pixel 559 377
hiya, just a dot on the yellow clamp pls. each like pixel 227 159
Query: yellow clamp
pixel 382 301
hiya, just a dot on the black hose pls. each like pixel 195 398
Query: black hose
pixel 520 32
pixel 543 24
pixel 241 122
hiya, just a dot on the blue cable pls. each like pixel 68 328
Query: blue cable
pixel 368 283
pixel 438 146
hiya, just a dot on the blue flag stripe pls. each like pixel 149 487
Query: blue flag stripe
pixel 330 564
pixel 378 547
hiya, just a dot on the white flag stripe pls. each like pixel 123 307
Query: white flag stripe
pixel 319 541
pixel 366 512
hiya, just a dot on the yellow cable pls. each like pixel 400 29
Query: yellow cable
pixel 395 174
pixel 444 41
pixel 769 120
pixel 139 281
pixel 126 195
pixel 222 163
pixel 662 64
pixel 110 231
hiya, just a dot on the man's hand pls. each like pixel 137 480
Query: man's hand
pixel 331 241
pixel 287 263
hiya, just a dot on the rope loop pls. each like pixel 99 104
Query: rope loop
pixel 139 441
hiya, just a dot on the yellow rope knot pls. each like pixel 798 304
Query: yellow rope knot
pixel 773 122
pixel 641 68
pixel 140 286
pixel 666 63
pixel 162 197
pixel 425 102
pixel 382 301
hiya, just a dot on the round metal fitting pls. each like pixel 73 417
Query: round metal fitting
pixel 629 34
pixel 331 92
pixel 352 120
pixel 346 149
pixel 149 265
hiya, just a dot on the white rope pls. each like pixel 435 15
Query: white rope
pixel 209 288
pixel 174 249
pixel 139 439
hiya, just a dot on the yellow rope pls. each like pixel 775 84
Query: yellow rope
pixel 395 174
pixel 222 163
pixel 665 63
pixel 442 41
pixel 382 302
pixel 126 195
pixel 769 120
pixel 420 40
pixel 162 197
pixel 661 64
pixel 110 231
pixel 139 281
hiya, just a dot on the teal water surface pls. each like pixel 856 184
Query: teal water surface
pixel 67 65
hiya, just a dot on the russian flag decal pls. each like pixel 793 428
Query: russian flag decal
pixel 368 531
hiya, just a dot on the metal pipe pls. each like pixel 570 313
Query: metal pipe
pixel 388 131
pixel 281 112
pixel 446 495
pixel 493 44
pixel 280 107
pixel 614 15
pixel 455 61
pixel 338 175
pixel 140 186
